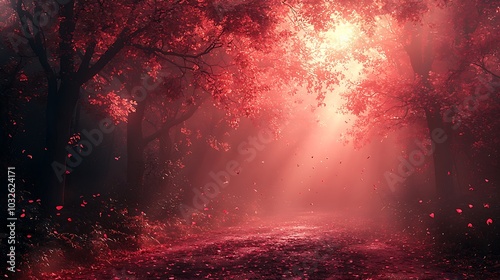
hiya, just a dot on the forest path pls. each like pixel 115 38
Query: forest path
pixel 305 246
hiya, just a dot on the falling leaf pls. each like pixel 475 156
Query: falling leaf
pixel 470 205
pixel 459 211
pixel 469 225
pixel 69 219
pixel 22 215
pixel 486 205
pixel 28 236
pixel 23 77
pixel 486 180
pixel 431 215
pixel 59 207
pixel 489 221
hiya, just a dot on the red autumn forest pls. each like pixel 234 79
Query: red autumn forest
pixel 138 132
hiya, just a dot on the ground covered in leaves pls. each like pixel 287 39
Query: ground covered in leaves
pixel 303 246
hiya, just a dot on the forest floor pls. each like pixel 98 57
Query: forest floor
pixel 304 246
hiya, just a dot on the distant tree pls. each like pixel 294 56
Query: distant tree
pixel 427 65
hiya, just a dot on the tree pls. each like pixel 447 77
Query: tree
pixel 75 41
pixel 424 60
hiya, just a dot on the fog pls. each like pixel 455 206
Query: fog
pixel 307 165
pixel 250 139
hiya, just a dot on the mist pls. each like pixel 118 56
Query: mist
pixel 250 139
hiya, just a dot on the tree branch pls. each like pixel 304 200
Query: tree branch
pixel 66 30
pixel 110 53
pixel 34 41
pixel 486 70
pixel 208 49
pixel 87 57
pixel 171 123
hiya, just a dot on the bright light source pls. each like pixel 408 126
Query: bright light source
pixel 335 42
pixel 340 37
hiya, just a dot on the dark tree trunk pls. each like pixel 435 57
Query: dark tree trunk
pixel 60 108
pixel 421 57
pixel 165 148
pixel 135 150
pixel 63 92
pixel 136 144
pixel 443 160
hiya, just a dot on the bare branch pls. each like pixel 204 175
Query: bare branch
pixel 486 70
pixel 171 123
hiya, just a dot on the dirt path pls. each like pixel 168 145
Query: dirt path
pixel 309 246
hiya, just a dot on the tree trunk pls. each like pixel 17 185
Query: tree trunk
pixel 165 148
pixel 135 151
pixel 60 108
pixel 421 57
pixel 443 161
